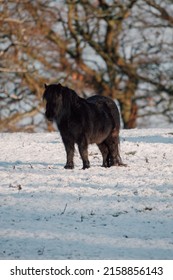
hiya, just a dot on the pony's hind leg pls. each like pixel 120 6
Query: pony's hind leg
pixel 112 143
pixel 105 154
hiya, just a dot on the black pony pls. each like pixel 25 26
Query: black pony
pixel 84 121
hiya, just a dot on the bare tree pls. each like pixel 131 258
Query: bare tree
pixel 121 49
pixel 152 53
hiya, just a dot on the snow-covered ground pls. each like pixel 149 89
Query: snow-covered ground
pixel 48 212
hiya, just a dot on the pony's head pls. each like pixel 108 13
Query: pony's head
pixel 53 99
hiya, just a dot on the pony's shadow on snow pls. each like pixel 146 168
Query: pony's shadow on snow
pixel 153 139
pixel 29 164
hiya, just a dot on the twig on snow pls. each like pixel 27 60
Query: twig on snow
pixel 62 213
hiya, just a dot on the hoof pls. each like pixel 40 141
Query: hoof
pixel 86 164
pixel 85 167
pixel 69 166
pixel 105 165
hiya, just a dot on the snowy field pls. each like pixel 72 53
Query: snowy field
pixel 47 212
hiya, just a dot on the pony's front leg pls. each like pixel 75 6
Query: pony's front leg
pixel 83 150
pixel 69 147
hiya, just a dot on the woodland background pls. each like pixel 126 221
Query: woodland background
pixel 122 49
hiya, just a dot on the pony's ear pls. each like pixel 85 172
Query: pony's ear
pixel 45 86
pixel 59 85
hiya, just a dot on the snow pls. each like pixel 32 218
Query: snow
pixel 48 212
